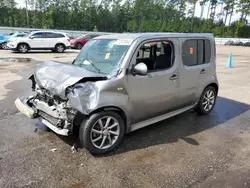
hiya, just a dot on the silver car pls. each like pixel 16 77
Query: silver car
pixel 123 82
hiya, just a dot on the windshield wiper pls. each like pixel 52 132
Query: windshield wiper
pixel 99 71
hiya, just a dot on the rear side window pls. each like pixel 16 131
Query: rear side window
pixel 38 35
pixel 59 35
pixel 49 35
pixel 196 52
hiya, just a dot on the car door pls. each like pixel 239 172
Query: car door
pixel 156 93
pixel 48 40
pixel 194 69
pixel 35 41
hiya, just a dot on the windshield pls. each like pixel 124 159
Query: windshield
pixel 102 55
pixel 19 35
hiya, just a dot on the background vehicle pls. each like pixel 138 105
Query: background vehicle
pixel 238 43
pixel 229 43
pixel 41 40
pixel 3 41
pixel 79 42
pixel 246 44
pixel 16 35
pixel 101 92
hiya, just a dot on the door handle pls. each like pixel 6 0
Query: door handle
pixel 173 77
pixel 203 71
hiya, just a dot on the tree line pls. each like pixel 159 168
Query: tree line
pixel 130 15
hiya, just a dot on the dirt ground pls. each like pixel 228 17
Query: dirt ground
pixel 185 151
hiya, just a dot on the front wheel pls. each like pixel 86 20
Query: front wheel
pixel 102 132
pixel 207 101
pixel 22 48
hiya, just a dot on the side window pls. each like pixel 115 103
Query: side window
pixel 88 37
pixel 49 35
pixel 157 55
pixel 196 52
pixel 37 35
pixel 58 35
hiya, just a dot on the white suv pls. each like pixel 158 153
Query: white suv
pixel 41 40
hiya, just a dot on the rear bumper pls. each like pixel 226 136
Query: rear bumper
pixel 26 110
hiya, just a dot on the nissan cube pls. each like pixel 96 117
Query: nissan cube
pixel 123 82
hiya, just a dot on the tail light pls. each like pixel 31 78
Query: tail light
pixel 68 40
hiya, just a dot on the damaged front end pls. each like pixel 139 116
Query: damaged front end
pixel 60 96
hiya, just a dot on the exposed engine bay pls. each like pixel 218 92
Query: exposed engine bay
pixel 53 109
pixel 61 94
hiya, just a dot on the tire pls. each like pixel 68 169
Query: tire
pixel 53 50
pixel 79 46
pixel 94 141
pixel 23 48
pixel 59 48
pixel 207 102
pixel 4 46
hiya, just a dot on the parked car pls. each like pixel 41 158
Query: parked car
pixel 16 35
pixel 229 43
pixel 41 40
pixel 79 42
pixel 117 85
pixel 238 43
pixel 3 41
pixel 246 44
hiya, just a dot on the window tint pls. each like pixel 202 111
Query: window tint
pixel 49 35
pixel 157 55
pixel 59 35
pixel 196 52
pixel 38 35
pixel 88 37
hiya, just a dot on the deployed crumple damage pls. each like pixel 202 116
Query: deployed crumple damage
pixel 83 97
pixel 57 77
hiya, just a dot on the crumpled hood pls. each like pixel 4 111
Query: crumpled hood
pixel 56 77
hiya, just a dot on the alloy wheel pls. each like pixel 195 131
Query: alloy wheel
pixel 208 100
pixel 60 48
pixel 105 132
pixel 23 48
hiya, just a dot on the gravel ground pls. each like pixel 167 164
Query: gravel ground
pixel 185 151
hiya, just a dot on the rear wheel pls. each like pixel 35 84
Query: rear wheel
pixel 22 48
pixel 102 132
pixel 79 46
pixel 207 101
pixel 60 48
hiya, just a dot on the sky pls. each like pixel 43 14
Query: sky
pixel 21 3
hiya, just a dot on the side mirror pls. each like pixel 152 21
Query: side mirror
pixel 31 37
pixel 140 69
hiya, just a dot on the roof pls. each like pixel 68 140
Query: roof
pixel 48 31
pixel 134 36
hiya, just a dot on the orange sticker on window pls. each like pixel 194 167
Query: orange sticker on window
pixel 191 50
pixel 107 56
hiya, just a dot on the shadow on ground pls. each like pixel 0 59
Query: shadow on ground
pixel 178 127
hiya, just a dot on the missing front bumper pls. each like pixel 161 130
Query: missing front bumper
pixel 25 109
